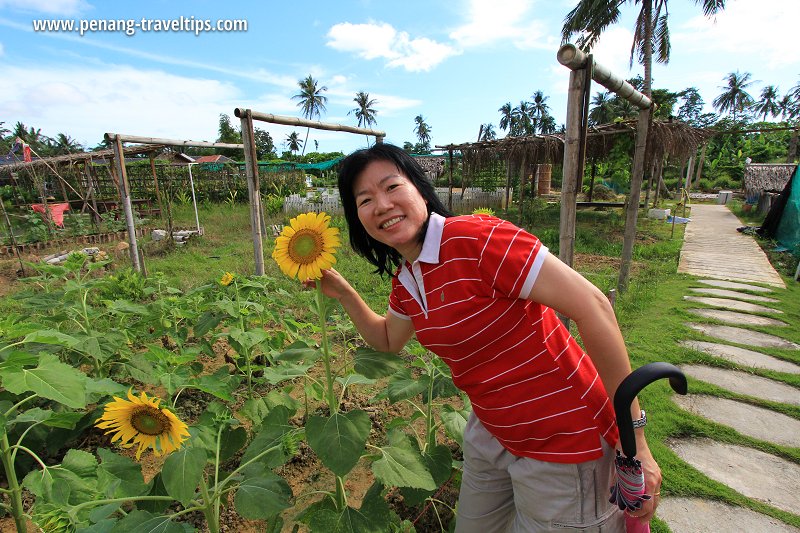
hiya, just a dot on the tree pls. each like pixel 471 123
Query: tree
pixel 311 100
pixel 294 142
pixel 602 111
pixel 64 144
pixel 522 122
pixel 423 133
pixel 768 103
pixel 486 133
pixel 734 97
pixel 364 111
pixel 539 110
pixel 651 32
pixel 692 106
pixel 265 148
pixel 506 116
pixel 226 133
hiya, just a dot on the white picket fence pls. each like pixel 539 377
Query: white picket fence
pixel 327 200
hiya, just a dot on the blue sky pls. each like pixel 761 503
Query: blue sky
pixel 454 62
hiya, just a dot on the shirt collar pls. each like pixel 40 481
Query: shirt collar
pixel 433 240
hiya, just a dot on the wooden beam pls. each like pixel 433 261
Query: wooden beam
pixel 253 188
pixel 124 189
pixel 169 142
pixel 294 121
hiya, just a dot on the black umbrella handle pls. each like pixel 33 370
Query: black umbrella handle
pixel 631 386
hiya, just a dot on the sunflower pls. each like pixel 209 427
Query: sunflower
pixel 140 421
pixel 306 246
pixel 226 279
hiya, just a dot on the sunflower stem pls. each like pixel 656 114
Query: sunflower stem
pixel 210 509
pixel 13 485
pixel 326 356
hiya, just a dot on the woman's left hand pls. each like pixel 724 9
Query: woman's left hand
pixel 652 481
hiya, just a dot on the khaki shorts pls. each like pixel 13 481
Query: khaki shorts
pixel 501 492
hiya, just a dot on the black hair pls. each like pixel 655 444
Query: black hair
pixel 384 257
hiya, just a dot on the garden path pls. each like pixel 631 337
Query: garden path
pixel 713 248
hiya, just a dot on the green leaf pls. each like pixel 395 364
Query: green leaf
pixel 455 421
pixel 231 442
pixel 97 389
pixel 375 365
pixel 339 440
pixel 66 420
pixel 119 477
pixel 273 428
pixel 245 340
pixel 90 345
pixel 298 352
pixel 354 379
pixel 182 472
pixel 82 463
pixel 207 321
pixel 402 467
pixel 157 489
pixel 402 385
pixel 50 336
pixel 174 380
pixel 255 409
pixel 263 497
pixel 104 511
pixel 144 522
pixel 51 379
pixel 221 384
pixel 284 372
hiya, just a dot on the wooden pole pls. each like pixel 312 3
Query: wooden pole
pixel 155 180
pixel 572 155
pixel 170 142
pixel 125 195
pixel 253 188
pixel 13 239
pixel 450 182
pixel 632 209
pixel 294 121
pixel 87 169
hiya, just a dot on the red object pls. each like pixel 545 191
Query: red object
pixel 56 211
pixel 26 153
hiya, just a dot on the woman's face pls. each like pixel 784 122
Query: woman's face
pixel 390 207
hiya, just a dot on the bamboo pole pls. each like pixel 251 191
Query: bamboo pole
pixel 155 180
pixel 572 155
pixel 301 122
pixel 450 183
pixel 253 188
pixel 124 189
pixel 169 142
pixel 12 238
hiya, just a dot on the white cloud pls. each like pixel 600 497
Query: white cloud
pixel 383 41
pixel 745 27
pixel 490 21
pixel 87 102
pixel 49 7
pixel 2 51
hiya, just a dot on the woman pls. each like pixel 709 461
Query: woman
pixel 483 295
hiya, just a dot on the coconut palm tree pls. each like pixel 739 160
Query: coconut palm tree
pixel 734 97
pixel 539 110
pixel 364 112
pixel 293 142
pixel 423 132
pixel 486 133
pixel 768 103
pixel 311 100
pixel 64 144
pixel 522 123
pixel 506 116
pixel 651 32
pixel 602 111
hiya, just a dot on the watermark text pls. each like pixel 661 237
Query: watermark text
pixel 131 26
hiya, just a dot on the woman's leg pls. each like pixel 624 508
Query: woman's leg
pixel 486 500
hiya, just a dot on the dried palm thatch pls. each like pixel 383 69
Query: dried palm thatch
pixel 766 177
pixel 674 139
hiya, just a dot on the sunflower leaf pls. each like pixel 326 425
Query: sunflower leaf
pixel 375 365
pixel 182 472
pixel 340 439
pixel 120 477
pixel 262 497
pixel 402 467
pixel 51 379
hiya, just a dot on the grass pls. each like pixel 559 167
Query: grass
pixel 652 315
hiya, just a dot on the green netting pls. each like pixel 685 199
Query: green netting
pixel 788 233
pixel 288 165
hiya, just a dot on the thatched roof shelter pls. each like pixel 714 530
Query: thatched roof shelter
pixel 766 177
pixel 673 139
pixel 81 157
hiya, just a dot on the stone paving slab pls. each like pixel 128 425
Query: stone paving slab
pixel 753 473
pixel 713 248
pixel 756 422
pixel 744 336
pixel 725 293
pixel 696 515
pixel 732 304
pixel 722 284
pixel 742 356
pixel 744 383
pixel 742 319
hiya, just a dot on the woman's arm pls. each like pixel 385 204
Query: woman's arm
pixel 384 333
pixel 567 292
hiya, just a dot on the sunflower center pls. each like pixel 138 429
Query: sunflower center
pixel 150 421
pixel 305 246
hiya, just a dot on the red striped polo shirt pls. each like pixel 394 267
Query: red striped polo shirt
pixel 530 383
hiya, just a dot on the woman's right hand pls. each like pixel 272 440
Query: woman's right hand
pixel 333 284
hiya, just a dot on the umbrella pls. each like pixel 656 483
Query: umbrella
pixel 629 491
